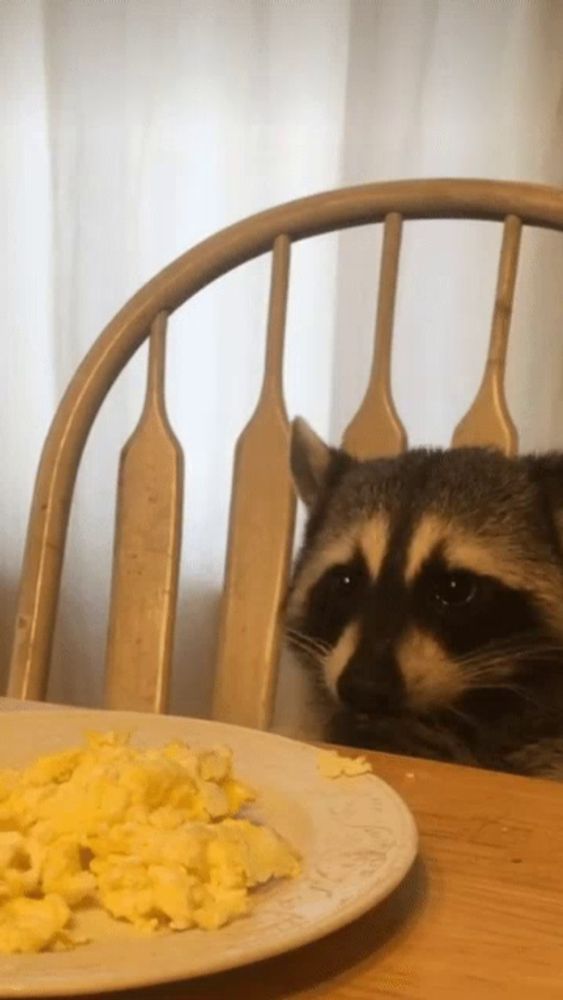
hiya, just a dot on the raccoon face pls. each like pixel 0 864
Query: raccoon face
pixel 429 580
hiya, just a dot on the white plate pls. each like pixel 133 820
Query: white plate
pixel 356 836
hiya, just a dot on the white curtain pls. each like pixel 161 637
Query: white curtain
pixel 131 129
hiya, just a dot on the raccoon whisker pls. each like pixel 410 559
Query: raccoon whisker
pixel 310 657
pixel 309 654
pixel 501 667
pixel 494 672
pixel 464 716
pixel 496 655
pixel 297 634
pixel 313 654
pixel 512 688
pixel 503 656
pixel 306 641
pixel 515 643
pixel 489 668
pixel 319 647
pixel 518 648
pixel 298 640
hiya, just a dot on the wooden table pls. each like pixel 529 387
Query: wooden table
pixel 480 915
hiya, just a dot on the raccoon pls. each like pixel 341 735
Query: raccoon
pixel 427 598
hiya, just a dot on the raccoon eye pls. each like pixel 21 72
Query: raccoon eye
pixel 343 579
pixel 335 598
pixel 454 590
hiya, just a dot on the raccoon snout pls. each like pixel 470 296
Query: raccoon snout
pixel 369 689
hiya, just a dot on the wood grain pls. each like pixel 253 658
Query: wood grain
pixel 39 588
pixel 488 421
pixel 260 536
pixel 146 551
pixel 376 429
pixel 478 918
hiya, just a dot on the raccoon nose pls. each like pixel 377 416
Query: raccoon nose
pixel 364 691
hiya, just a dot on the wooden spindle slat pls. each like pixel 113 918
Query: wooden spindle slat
pixel 260 536
pixel 146 550
pixel 376 428
pixel 488 421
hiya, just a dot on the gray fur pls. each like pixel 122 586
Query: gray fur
pixel 514 503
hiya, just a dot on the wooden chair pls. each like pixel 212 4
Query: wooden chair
pixel 149 509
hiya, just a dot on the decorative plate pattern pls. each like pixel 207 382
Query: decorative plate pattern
pixel 356 836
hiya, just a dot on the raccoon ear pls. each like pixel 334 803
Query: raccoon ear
pixel 310 459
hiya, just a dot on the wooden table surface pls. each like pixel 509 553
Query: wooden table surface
pixel 480 915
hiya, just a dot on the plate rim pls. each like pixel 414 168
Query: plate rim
pixel 293 941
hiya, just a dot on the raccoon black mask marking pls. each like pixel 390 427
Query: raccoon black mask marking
pixel 428 597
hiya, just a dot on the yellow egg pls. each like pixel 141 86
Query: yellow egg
pixel 31 924
pixel 331 764
pixel 151 836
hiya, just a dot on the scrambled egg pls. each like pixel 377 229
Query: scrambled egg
pixel 149 835
pixel 332 765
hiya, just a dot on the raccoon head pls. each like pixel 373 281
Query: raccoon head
pixel 426 579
